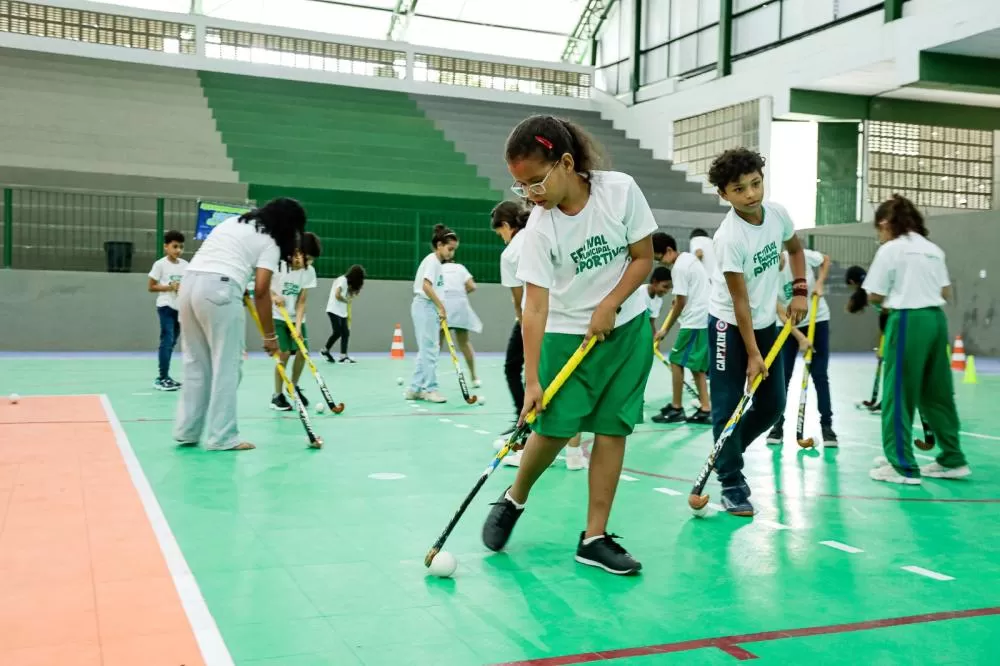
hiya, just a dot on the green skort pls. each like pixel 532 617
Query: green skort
pixel 286 343
pixel 691 349
pixel 604 394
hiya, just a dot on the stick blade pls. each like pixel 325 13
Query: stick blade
pixel 697 502
pixel 807 443
pixel 338 408
pixel 923 445
pixel 431 554
pixel 472 399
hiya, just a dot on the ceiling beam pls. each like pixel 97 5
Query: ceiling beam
pixel 947 71
pixel 585 32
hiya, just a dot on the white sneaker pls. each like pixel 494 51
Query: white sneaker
pixel 575 460
pixel 434 396
pixel 889 474
pixel 477 383
pixel 512 459
pixel 940 472
pixel 413 395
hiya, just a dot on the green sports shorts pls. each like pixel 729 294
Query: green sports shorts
pixel 286 343
pixel 604 394
pixel 690 349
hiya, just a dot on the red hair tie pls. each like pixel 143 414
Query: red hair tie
pixel 545 142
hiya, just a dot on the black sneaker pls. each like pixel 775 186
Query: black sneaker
pixel 670 414
pixel 302 396
pixel 500 523
pixel 174 384
pixel 347 359
pixel 829 437
pixel 605 553
pixel 736 500
pixel 328 356
pixel 700 417
pixel 776 436
pixel 279 403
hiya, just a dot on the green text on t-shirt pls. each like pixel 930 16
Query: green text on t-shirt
pixel 595 252
pixel 765 258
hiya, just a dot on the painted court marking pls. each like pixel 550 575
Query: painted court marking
pixel 841 546
pixel 626 477
pixel 771 524
pixel 731 645
pixel 978 435
pixel 483 432
pixel 461 425
pixel 386 476
pixel 920 571
pixel 667 491
pixel 445 420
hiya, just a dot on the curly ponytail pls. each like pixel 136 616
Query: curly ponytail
pixel 901 216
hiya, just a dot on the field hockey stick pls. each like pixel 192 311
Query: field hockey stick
pixel 519 434
pixel 334 406
pixel 315 441
pixel 927 443
pixel 688 387
pixel 696 500
pixel 804 395
pixel 878 376
pixel 471 399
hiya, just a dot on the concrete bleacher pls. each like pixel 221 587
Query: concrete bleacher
pixel 479 129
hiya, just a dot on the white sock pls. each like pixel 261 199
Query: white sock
pixel 587 542
pixel 511 500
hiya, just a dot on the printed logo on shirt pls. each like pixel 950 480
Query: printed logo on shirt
pixel 788 290
pixel 290 289
pixel 440 281
pixel 765 258
pixel 594 253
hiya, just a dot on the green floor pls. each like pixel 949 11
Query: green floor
pixel 304 560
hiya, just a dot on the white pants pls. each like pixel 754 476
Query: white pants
pixel 427 327
pixel 213 320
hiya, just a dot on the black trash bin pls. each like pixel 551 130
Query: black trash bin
pixel 119 256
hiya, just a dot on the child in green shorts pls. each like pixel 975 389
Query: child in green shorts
pixel 290 289
pixel 690 312
pixel 909 278
pixel 586 252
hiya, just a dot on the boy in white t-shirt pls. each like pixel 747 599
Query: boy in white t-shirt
pixel 690 313
pixel 799 341
pixel 290 289
pixel 742 312
pixel 165 280
pixel 702 247
pixel 427 311
pixel 338 308
pixel 660 284
pixel 586 252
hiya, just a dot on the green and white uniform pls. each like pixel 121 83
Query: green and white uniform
pixel 690 349
pixel 580 259
pixel 290 285
pixel 910 272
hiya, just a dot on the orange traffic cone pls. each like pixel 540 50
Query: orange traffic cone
pixel 397 351
pixel 958 354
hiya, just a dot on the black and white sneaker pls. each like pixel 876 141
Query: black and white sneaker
pixel 605 553
pixel 776 436
pixel 328 356
pixel 302 396
pixel 670 414
pixel 700 417
pixel 829 437
pixel 347 359
pixel 279 403
pixel 500 523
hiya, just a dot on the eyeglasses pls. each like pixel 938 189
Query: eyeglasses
pixel 536 188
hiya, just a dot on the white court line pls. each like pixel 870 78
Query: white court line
pixel 770 523
pixel 920 455
pixel 206 632
pixel 841 546
pixel 667 491
pixel 445 420
pixel 461 425
pixel 920 571
pixel 626 477
pixel 483 432
pixel 978 435
pixel 716 507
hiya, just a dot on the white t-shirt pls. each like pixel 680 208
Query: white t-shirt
pixel 910 272
pixel 814 260
pixel 455 277
pixel 290 285
pixel 653 303
pixel 333 306
pixel 754 251
pixel 705 244
pixel 691 281
pixel 430 269
pixel 236 249
pixel 166 272
pixel 508 265
pixel 581 258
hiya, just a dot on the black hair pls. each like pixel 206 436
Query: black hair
pixel 282 219
pixel 355 278
pixel 855 275
pixel 173 236
pixel 663 242
pixel 550 138
pixel 661 274
pixel 731 165
pixel 901 216
pixel 857 301
pixel 511 213
pixel 442 235
pixel 698 232
pixel 311 247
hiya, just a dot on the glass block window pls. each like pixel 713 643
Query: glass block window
pixel 26 18
pixel 256 47
pixel 940 167
pixel 699 139
pixel 500 76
